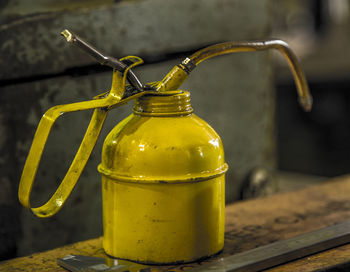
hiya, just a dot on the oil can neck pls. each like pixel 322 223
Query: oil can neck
pixel 178 104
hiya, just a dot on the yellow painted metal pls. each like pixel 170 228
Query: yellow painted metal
pixel 173 80
pixel 101 104
pixel 163 184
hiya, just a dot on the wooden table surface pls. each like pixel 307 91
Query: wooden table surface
pixel 249 224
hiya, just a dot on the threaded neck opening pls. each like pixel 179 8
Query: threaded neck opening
pixel 164 105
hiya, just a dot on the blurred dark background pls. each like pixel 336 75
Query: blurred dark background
pixel 250 99
pixel 316 142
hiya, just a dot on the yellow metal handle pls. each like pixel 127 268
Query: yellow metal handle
pixel 102 104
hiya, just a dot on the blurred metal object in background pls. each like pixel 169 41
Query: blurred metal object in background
pixel 259 182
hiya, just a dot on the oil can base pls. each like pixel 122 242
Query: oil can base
pixel 195 260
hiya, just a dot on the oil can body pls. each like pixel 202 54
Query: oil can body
pixel 163 184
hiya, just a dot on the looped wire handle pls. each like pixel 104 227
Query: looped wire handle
pixel 102 104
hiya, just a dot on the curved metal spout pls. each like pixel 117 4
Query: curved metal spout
pixel 179 73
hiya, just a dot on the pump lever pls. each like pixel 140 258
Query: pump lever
pixel 101 58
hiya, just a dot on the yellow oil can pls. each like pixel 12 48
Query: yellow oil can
pixel 163 184
pixel 162 167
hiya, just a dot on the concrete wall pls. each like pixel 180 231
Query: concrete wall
pixel 234 94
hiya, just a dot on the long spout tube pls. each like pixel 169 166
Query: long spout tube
pixel 179 73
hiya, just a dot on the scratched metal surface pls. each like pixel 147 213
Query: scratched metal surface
pixel 249 224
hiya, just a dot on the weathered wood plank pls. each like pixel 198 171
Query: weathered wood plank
pixel 249 224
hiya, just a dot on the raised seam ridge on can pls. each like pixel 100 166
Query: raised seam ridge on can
pixel 194 178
